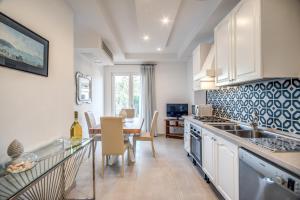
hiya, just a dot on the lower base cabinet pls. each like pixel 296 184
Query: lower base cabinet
pixel 187 145
pixel 220 163
pixel 208 155
pixel 227 169
pixel 187 137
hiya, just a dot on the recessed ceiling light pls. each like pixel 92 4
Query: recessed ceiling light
pixel 165 20
pixel 146 37
pixel 158 49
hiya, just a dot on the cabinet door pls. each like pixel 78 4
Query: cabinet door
pixel 227 169
pixel 186 126
pixel 208 157
pixel 187 142
pixel 187 137
pixel 223 50
pixel 246 17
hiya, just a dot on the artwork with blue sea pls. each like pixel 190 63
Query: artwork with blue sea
pixel 22 49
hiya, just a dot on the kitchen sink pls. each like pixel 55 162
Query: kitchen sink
pixel 241 133
pixel 251 133
pixel 265 138
pixel 244 131
pixel 231 127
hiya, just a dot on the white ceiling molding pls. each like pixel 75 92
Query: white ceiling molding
pixel 149 14
pixel 91 19
pixel 151 57
pixel 204 33
pixel 122 23
pixel 108 18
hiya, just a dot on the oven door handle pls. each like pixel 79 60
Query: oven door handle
pixel 194 136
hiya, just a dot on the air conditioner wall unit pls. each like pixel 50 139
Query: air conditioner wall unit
pixel 94 49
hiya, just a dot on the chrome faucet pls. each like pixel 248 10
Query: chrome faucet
pixel 254 122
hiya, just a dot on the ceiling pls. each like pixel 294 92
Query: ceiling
pixel 122 24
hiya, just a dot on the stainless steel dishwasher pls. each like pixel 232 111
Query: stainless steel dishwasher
pixel 262 180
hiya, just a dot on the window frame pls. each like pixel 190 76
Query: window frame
pixel 130 74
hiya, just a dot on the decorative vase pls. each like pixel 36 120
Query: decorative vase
pixel 15 149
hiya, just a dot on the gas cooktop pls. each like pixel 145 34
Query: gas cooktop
pixel 211 119
pixel 278 144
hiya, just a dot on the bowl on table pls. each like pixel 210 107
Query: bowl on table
pixel 23 163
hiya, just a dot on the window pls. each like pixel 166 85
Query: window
pixel 126 92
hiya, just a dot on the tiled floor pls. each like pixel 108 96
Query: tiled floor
pixel 170 176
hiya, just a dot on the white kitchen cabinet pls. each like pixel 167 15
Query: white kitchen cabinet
pixel 258 39
pixel 220 164
pixel 246 41
pixel 223 51
pixel 187 137
pixel 227 172
pixel 208 154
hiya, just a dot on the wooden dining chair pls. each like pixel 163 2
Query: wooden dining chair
pixel 113 139
pixel 130 112
pixel 148 136
pixel 91 123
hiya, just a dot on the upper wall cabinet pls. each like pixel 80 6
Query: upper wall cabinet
pixel 258 39
pixel 246 41
pixel 223 40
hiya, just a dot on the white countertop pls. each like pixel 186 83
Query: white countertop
pixel 287 160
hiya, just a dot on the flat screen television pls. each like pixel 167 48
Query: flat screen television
pixel 177 110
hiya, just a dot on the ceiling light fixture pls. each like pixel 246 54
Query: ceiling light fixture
pixel 146 37
pixel 165 20
pixel 158 49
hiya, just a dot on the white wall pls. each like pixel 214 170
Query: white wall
pixel 200 97
pixel 197 97
pixel 87 67
pixel 171 87
pixel 189 68
pixel 36 109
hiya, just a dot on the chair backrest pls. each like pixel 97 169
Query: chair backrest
pixel 153 124
pixel 130 112
pixel 112 135
pixel 90 119
pixel 123 114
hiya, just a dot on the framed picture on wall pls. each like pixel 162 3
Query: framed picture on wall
pixel 21 48
pixel 83 88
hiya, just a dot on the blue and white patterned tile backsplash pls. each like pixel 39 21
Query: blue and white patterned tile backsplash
pixel 276 101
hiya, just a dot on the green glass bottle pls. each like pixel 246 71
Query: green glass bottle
pixel 76 130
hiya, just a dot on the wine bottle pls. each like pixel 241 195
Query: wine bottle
pixel 76 130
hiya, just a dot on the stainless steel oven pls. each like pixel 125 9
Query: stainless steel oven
pixel 196 144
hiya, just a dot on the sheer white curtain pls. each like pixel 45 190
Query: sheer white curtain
pixel 148 94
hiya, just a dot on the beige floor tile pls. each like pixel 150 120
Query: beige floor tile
pixel 168 176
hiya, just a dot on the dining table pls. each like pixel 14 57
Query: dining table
pixel 131 126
